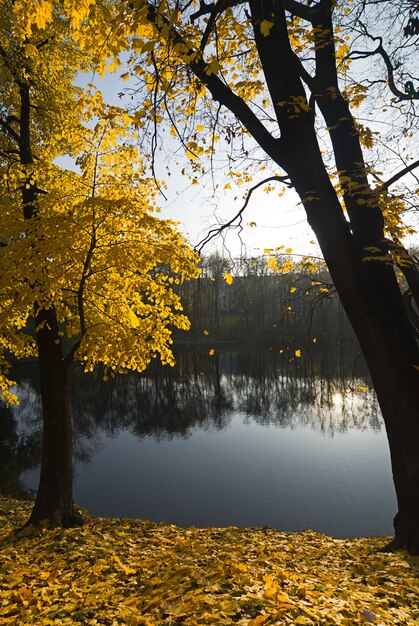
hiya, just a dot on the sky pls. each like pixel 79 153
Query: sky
pixel 269 221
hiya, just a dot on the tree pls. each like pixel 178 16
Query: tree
pixel 86 268
pixel 412 27
pixel 282 69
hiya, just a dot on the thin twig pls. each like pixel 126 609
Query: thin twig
pixel 215 232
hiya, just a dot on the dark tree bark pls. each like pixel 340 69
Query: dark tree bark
pixel 365 280
pixel 368 289
pixel 54 500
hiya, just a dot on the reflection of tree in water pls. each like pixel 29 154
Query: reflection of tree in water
pixel 165 402
pixel 19 451
pixel 202 391
pixel 161 404
pixel 291 402
pixel 320 390
pixel 325 390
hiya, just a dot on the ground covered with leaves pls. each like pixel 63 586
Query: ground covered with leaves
pixel 138 573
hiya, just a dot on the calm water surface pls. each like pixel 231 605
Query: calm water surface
pixel 243 438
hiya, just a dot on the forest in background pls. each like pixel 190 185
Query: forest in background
pixel 245 299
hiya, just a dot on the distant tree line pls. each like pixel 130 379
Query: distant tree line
pixel 272 297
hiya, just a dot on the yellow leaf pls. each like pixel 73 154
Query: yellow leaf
pixel 213 68
pixel 265 27
pixel 212 352
pixel 297 353
pixel 257 621
pixel 133 319
pixel 242 567
pixel 31 50
pixel 228 278
pixel 149 45
pixel 362 388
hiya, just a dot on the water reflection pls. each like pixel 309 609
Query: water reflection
pixel 322 390
pixel 20 450
pixel 226 408
pixel 203 391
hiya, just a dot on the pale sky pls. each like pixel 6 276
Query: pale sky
pixel 279 221
pixel 275 221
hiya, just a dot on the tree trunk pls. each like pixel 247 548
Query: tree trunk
pixel 396 383
pixel 54 500
pixel 367 288
pixel 387 339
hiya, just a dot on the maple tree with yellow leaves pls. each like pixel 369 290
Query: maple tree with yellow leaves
pixel 87 268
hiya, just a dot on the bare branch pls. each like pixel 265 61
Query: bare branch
pixel 410 92
pixel 215 232
pixel 399 175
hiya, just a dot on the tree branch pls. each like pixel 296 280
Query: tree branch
pixel 9 130
pixel 219 90
pixel 215 7
pixel 410 92
pixel 309 12
pixel 214 232
pixel 303 11
pixel 399 175
pixel 68 359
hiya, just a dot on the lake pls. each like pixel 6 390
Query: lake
pixel 245 437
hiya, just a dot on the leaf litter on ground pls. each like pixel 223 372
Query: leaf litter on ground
pixel 139 573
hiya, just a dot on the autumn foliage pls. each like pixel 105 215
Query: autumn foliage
pixel 267 85
pixel 92 246
pixel 137 573
pixel 87 268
